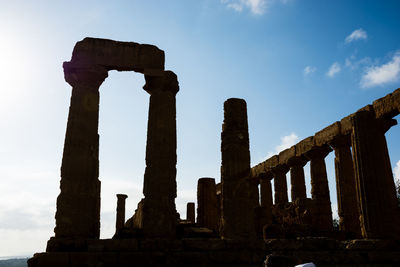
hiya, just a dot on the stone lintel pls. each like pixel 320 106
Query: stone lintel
pixel 121 56
pixel 345 125
pixel 327 134
pixel 166 82
pixel 286 154
pixel 304 145
pixel 271 162
pixel 387 106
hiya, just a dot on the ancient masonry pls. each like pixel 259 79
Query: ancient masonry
pixel 240 221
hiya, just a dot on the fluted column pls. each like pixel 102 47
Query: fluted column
pixel 190 212
pixel 297 180
pixel 159 212
pixel 120 221
pixel 280 184
pixel 345 186
pixel 379 213
pixel 78 204
pixel 207 210
pixel 239 193
pixel 322 217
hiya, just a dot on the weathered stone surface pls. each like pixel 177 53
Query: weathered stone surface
pixel 159 213
pixel 387 106
pixel 345 187
pixel 271 162
pixel 304 145
pixel 327 134
pixel 280 184
pixel 207 206
pixel 379 213
pixel 287 154
pixel 322 218
pixel 120 220
pixel 345 125
pixel 115 55
pixel 297 179
pixel 239 192
pixel 190 212
pixel 78 205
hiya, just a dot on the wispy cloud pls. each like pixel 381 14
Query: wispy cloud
pixel 396 172
pixel 308 70
pixel 383 74
pixel 334 69
pixel 256 7
pixel 358 34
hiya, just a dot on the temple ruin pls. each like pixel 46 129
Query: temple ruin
pixel 241 220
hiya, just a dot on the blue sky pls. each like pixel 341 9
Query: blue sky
pixel 300 65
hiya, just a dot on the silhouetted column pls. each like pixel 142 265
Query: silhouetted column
pixel 78 204
pixel 379 214
pixel 322 216
pixel 207 210
pixel 120 221
pixel 159 212
pixel 239 194
pixel 266 192
pixel 280 184
pixel 297 181
pixel 345 187
pixel 190 213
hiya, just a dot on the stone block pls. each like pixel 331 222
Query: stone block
pixel 59 259
pixel 271 162
pixel 386 107
pixel 345 125
pixel 304 146
pixel 204 244
pixel 287 154
pixel 327 134
pixel 143 258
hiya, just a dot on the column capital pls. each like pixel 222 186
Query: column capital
pixel 88 75
pixel 121 196
pixel 281 168
pixel 318 152
pixel 341 141
pixel 297 161
pixel 162 81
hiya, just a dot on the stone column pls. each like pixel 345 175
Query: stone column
pixel 190 213
pixel 345 186
pixel 239 194
pixel 297 181
pixel 207 209
pixel 379 213
pixel 266 192
pixel 159 212
pixel 280 184
pixel 120 221
pixel 78 204
pixel 265 210
pixel 322 211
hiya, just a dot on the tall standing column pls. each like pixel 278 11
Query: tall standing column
pixel 120 221
pixel 280 184
pixel 78 204
pixel 297 180
pixel 345 186
pixel 322 216
pixel 379 213
pixel 239 194
pixel 190 212
pixel 207 210
pixel 159 212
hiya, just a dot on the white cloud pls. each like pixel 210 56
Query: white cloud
pixel 358 34
pixel 309 70
pixel 380 75
pixel 396 172
pixel 257 7
pixel 334 69
pixel 286 142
